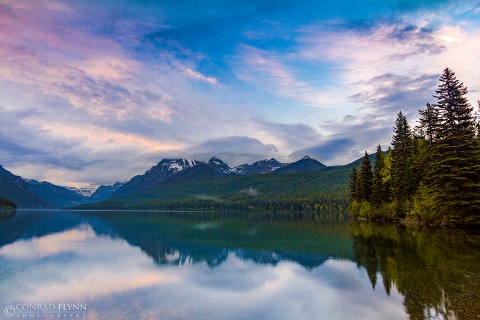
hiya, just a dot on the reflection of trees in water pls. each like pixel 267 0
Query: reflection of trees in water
pixel 437 271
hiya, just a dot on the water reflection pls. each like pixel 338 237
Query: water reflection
pixel 437 271
pixel 184 266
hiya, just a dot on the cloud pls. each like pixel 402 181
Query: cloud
pixel 250 192
pixel 327 150
pixel 234 150
pixel 287 135
pixel 406 52
pixel 267 70
pixel 198 76
pixel 391 93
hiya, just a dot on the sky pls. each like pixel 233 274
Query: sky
pixel 94 92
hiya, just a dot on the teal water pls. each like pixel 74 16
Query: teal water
pixel 146 265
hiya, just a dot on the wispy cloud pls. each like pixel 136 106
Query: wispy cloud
pixel 198 76
pixel 273 72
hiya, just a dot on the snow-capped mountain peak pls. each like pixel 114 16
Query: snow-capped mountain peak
pixel 219 165
pixel 164 169
pixel 259 167
pixel 215 160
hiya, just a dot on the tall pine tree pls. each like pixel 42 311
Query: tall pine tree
pixel 378 189
pixel 428 123
pixel 403 179
pixel 365 179
pixel 352 185
pixel 454 172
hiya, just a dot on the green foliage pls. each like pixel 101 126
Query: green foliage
pixel 378 189
pixel 364 181
pixel 352 183
pixel 387 168
pixel 428 123
pixel 403 179
pixel 433 177
pixel 424 208
pixel 360 209
pixel 454 171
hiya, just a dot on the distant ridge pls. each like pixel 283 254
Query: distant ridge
pixel 17 190
pixel 56 195
pixel 104 192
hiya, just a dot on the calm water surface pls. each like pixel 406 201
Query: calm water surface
pixel 145 265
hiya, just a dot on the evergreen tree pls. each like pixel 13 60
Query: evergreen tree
pixel 359 188
pixel 454 172
pixel 378 190
pixel 403 179
pixel 365 179
pixel 352 185
pixel 428 123
pixel 477 116
pixel 386 173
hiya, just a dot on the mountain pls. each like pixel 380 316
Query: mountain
pixel 56 195
pixel 164 169
pixel 259 167
pixel 201 171
pixel 203 188
pixel 219 166
pixel 17 190
pixel 104 192
pixel 306 164
pixel 206 187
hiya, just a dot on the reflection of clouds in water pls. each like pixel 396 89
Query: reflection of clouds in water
pixel 118 280
pixel 93 267
pixel 63 242
pixel 240 289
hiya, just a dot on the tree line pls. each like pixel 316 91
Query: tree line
pixel 431 173
pixel 7 208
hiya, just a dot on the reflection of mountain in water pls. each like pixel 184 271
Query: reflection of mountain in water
pixel 437 271
pixel 185 238
pixel 179 239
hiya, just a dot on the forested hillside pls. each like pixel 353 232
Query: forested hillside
pixel 315 191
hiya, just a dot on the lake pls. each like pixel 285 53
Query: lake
pixel 178 265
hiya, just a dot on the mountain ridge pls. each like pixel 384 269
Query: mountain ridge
pixel 16 189
pixel 172 172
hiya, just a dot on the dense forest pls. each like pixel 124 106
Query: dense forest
pixel 431 174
